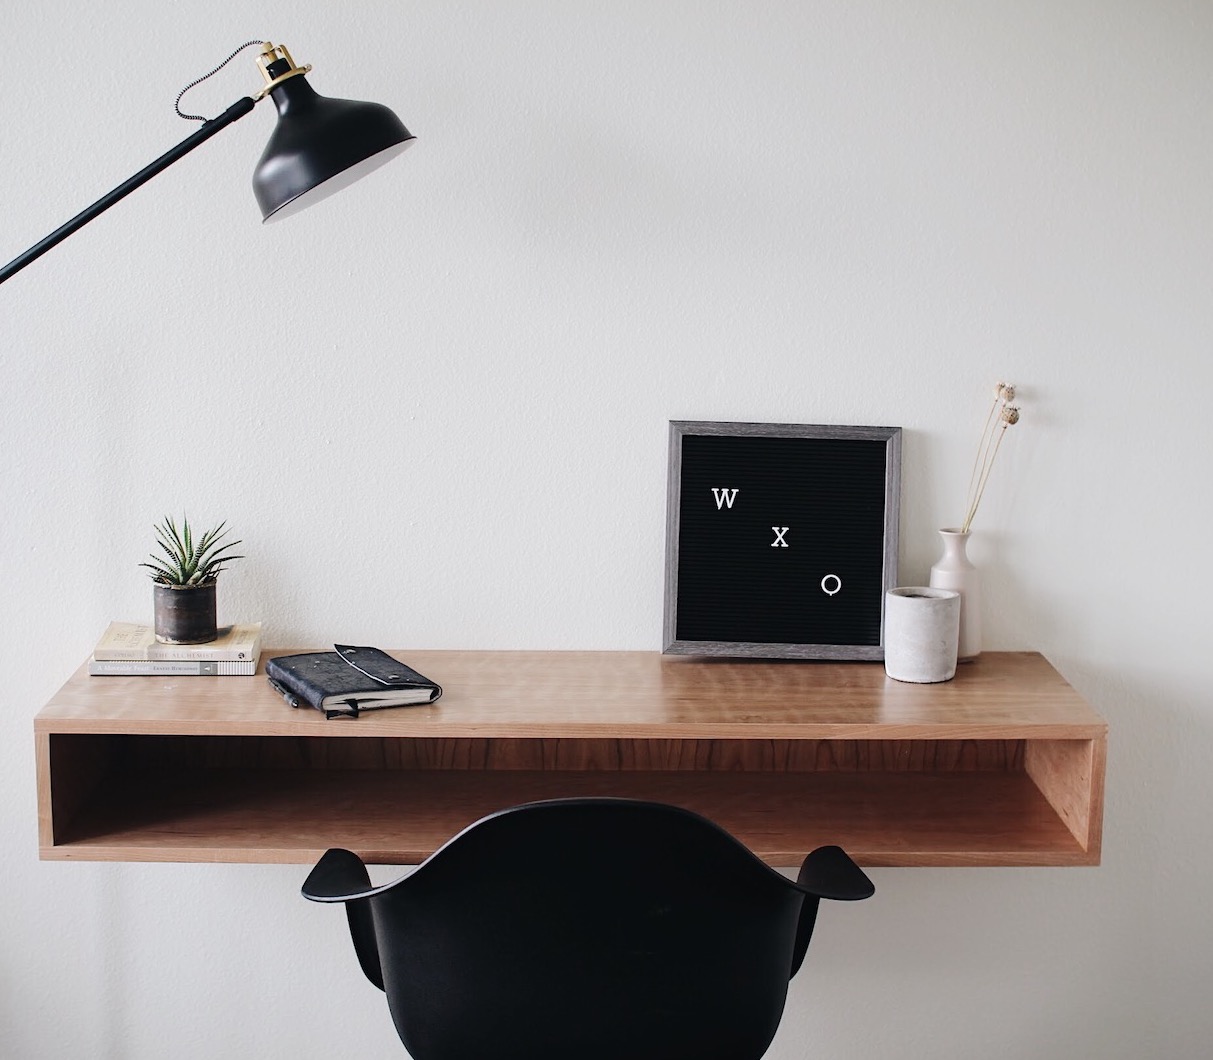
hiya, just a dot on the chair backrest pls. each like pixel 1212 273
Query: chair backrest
pixel 588 929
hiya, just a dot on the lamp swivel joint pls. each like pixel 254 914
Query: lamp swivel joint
pixel 276 66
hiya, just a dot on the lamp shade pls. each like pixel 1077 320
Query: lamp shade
pixel 321 145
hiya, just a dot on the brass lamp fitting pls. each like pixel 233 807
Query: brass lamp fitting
pixel 270 55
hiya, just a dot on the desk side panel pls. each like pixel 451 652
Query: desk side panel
pixel 1070 774
pixel 71 771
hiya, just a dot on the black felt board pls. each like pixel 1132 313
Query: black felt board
pixel 781 539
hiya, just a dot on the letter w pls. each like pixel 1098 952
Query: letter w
pixel 724 497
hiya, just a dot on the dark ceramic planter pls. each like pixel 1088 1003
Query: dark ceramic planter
pixel 185 616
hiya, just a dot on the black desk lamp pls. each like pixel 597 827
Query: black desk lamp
pixel 319 145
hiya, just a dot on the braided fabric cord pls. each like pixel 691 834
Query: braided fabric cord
pixel 198 81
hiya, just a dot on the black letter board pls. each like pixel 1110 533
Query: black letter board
pixel 781 539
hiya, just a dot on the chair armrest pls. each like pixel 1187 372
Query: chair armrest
pixel 339 876
pixel 829 872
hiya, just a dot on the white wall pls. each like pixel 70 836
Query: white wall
pixel 435 408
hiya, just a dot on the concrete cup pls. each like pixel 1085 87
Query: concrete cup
pixel 921 633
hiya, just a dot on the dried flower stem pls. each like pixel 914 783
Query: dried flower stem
pixel 978 459
pixel 981 486
pixel 1002 415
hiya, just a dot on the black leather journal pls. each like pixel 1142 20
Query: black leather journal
pixel 349 680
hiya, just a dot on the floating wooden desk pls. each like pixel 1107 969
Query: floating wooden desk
pixel 1002 766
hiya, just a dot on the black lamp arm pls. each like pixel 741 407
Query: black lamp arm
pixel 233 113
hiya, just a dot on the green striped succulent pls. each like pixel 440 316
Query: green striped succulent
pixel 187 562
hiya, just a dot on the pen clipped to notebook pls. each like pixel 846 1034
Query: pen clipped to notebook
pixel 348 680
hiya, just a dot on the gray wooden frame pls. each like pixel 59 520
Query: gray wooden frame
pixel 678 430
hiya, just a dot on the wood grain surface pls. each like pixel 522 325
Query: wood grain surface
pixel 1002 766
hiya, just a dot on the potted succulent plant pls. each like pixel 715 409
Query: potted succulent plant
pixel 185 571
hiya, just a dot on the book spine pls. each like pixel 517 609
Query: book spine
pixel 179 653
pixel 290 688
pixel 172 668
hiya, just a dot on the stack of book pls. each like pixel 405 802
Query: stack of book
pixel 129 649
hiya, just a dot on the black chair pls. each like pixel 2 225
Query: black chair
pixel 586 929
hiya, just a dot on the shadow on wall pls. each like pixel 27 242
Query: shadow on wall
pixel 968 962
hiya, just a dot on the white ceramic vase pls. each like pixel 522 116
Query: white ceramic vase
pixel 954 570
pixel 920 634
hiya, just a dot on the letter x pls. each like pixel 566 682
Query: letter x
pixel 779 542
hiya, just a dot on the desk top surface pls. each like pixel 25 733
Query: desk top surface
pixel 605 695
